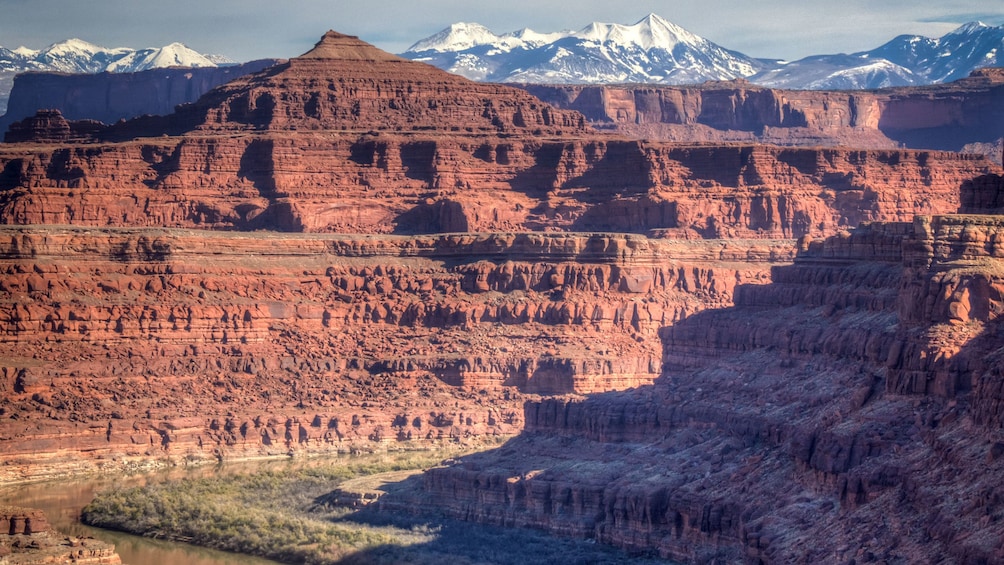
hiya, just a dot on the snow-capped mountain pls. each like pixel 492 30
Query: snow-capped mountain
pixel 651 50
pixel 655 50
pixel 78 56
pixel 950 57
pixel 837 72
pixel 908 60
pixel 173 55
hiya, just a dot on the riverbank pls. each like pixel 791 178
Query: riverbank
pixel 14 472
pixel 285 514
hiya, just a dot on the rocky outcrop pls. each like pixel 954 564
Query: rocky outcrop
pixel 950 300
pixel 110 97
pixel 838 413
pixel 22 521
pixel 943 117
pixel 49 126
pixel 27 539
pixel 983 195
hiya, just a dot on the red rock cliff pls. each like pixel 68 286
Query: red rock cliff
pixel 850 409
pixel 350 139
pixel 115 339
pixel 110 97
pixel 946 117
pixel 380 183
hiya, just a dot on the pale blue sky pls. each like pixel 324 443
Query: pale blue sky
pixel 249 29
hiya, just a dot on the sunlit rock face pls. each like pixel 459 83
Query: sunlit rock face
pixel 964 115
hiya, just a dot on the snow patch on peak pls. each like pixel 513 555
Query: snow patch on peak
pixel 173 55
pixel 25 52
pixel 457 37
pixel 72 46
pixel 529 38
pixel 220 59
pixel 971 27
pixel 650 32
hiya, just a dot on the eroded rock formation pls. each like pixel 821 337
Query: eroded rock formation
pixel 49 126
pixel 385 183
pixel 110 97
pixel 115 339
pixel 27 539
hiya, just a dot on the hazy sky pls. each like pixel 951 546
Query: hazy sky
pixel 249 29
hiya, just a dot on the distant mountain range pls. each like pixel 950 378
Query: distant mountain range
pixel 655 50
pixel 78 56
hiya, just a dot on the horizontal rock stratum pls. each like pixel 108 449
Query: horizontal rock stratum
pixel 964 114
pixel 349 139
pixel 115 338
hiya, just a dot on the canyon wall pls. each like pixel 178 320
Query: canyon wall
pixel 943 117
pixel 962 115
pixel 131 345
pixel 393 183
pixel 110 97
pixel 349 139
pixel 700 385
pixel 849 410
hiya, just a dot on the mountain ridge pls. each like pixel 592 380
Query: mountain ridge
pixel 650 50
pixel 79 56
pixel 654 50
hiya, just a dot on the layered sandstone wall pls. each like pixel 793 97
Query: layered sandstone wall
pixel 350 139
pixel 384 183
pixel 950 300
pixel 945 117
pixel 792 427
pixel 115 339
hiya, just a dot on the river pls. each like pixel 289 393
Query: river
pixel 62 501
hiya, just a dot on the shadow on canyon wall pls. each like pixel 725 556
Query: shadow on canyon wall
pixel 862 386
pixel 458 541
